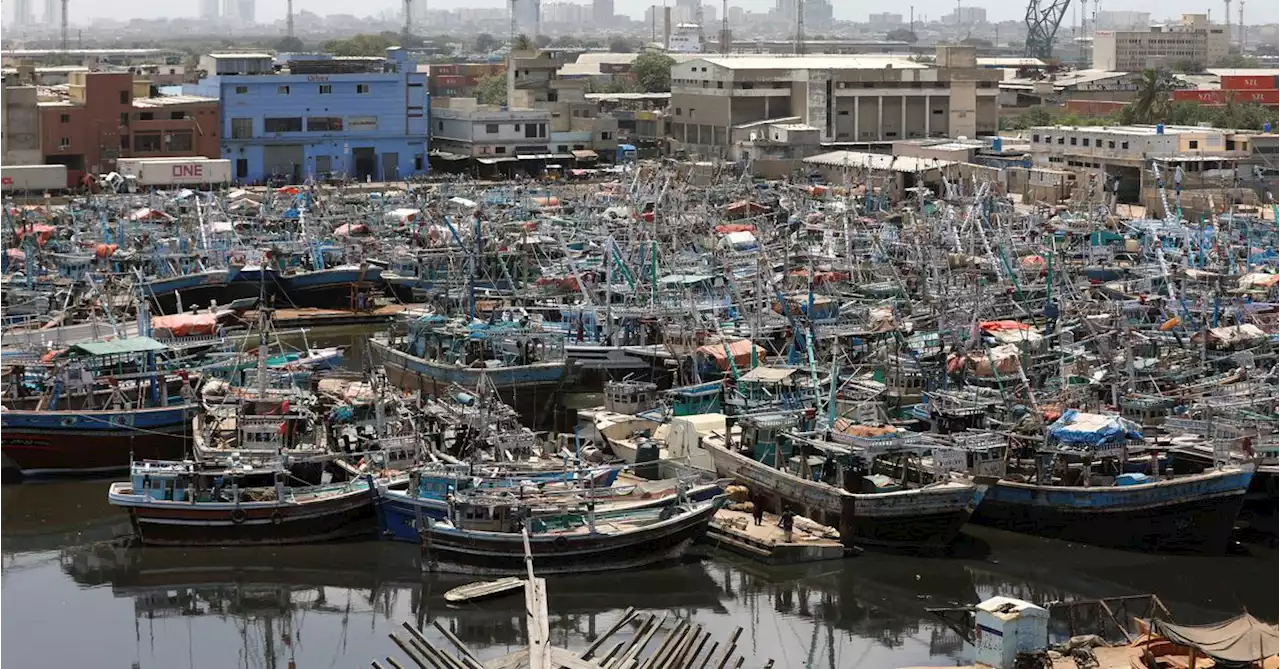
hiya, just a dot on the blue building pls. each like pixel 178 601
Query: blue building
pixel 307 115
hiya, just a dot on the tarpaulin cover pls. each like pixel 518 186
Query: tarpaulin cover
pixel 734 227
pixel 740 349
pixel 1258 280
pixel 185 325
pixel 42 232
pixel 149 214
pixel 992 326
pixel 1077 427
pixel 1238 640
pixel 348 229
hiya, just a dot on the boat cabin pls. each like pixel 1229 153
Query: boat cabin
pixel 696 399
pixel 630 397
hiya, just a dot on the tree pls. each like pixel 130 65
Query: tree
pixel 653 71
pixel 486 43
pixel 1152 100
pixel 901 35
pixel 617 84
pixel 624 45
pixel 543 41
pixel 360 45
pixel 289 43
pixel 492 90
pixel 566 42
pixel 522 43
pixel 1188 66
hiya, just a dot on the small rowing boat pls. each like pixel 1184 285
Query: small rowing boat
pixel 473 592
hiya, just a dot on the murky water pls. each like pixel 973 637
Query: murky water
pixel 72 598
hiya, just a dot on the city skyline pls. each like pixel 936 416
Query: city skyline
pixel 81 12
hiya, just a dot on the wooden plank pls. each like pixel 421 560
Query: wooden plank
pixel 512 660
pixel 626 617
pixel 566 658
pixel 468 658
pixel 410 651
pixel 539 628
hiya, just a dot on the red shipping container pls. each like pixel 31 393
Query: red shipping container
pixel 1250 82
pixel 1216 97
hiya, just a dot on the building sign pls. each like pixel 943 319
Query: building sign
pixel 318 77
pixel 189 170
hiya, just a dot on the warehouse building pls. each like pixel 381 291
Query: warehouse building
pixel 846 98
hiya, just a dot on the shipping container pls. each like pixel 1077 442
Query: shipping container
pixel 33 178
pixel 1249 82
pixel 175 171
pixel 1219 97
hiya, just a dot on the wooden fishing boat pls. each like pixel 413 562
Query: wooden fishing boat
pixel 925 518
pixel 484 537
pixel 180 503
pixel 473 592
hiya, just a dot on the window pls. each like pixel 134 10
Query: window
pixel 326 89
pixel 1111 144
pixel 241 128
pixel 283 90
pixel 149 142
pixel 440 126
pixel 362 89
pixel 1194 144
pixel 242 168
pixel 1074 141
pixel 531 130
pixel 517 127
pixel 66 118
pixel 147 116
pixel 606 135
pixel 177 141
pixel 124 142
pixel 542 130
pixel 124 119
pixel 324 123
pixel 241 90
pixel 563 148
pixel 1035 139
pixel 1086 141
pixel 293 124
pixel 500 149
pixel 491 128
pixel 124 97
pixel 1061 140
pixel 362 123
pixel 1124 145
pixel 177 116
pixel 719 84
pixel 678 113
pixel 64 142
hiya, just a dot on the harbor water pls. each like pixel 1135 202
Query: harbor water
pixel 74 597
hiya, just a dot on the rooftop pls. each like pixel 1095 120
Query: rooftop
pixel 250 54
pixel 1145 130
pixel 627 96
pixel 172 100
pixel 877 161
pixel 1064 79
pixel 815 62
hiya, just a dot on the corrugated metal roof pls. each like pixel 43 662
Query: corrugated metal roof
pixel 118 346
pixel 877 161
pixel 169 100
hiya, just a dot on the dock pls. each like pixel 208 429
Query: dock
pixel 736 532
pixel 1114 657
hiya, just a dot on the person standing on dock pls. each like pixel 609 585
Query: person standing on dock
pixel 757 509
pixel 787 523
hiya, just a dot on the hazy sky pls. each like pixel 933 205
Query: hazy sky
pixel 1256 11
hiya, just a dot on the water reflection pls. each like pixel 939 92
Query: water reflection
pixel 335 604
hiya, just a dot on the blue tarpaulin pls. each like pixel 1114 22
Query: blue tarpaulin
pixel 1092 429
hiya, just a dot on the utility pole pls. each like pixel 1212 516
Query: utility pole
pixel 1243 37
pixel 726 40
pixel 408 23
pixel 1226 19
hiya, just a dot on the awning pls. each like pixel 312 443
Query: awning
pixel 534 156
pixel 768 374
pixel 1243 639
pixel 585 154
pixel 448 155
pixel 494 161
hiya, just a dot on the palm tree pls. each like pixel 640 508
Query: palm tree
pixel 1153 97
pixel 522 43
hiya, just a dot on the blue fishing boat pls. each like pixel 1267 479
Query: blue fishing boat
pixel 331 285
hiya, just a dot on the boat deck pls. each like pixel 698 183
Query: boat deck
pixel 736 532
pixel 1108 658
pixel 314 317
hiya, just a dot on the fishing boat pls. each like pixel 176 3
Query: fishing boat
pixel 98 405
pixel 483 536
pixel 436 355
pixel 182 503
pixel 822 481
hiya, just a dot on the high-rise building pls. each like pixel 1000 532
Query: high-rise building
pixel 528 16
pixel 210 9
pixel 53 13
pixel 1194 40
pixel 885 20
pixel 602 12
pixel 966 16
pixel 1112 19
pixel 22 13
pixel 241 10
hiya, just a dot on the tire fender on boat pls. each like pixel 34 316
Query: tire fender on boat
pixel 238 516
pixel 276 518
pixel 668 512
pixel 561 543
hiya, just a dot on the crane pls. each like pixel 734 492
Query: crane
pixel 1043 19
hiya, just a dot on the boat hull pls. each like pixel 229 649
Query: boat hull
pixel 922 519
pixel 432 378
pixel 194 289
pixel 50 443
pixel 1189 514
pixel 328 287
pixel 447 549
pixel 162 523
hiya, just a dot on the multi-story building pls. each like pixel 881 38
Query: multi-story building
pixel 108 115
pixel 52 13
pixel 602 13
pixel 489 135
pixel 884 20
pixel 22 13
pixel 318 115
pixel 210 10
pixel 817 13
pixel 20 130
pixel 965 16
pixel 1194 40
pixel 847 98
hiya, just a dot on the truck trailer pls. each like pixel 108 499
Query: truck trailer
pixel 162 172
pixel 33 178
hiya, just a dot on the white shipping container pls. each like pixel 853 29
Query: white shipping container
pixel 33 177
pixel 175 171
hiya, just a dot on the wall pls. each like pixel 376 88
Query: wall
pixel 20 130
